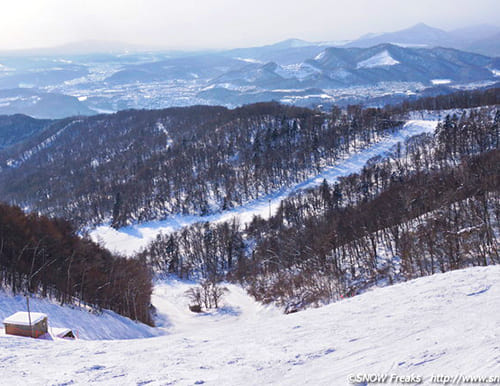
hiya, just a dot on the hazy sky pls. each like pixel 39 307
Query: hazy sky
pixel 224 23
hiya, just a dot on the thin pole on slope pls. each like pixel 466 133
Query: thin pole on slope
pixel 29 314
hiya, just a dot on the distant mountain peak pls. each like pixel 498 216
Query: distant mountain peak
pixel 423 26
pixel 482 38
pixel 419 34
pixel 292 43
pixel 424 29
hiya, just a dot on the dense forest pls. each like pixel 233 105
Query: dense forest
pixel 143 165
pixel 134 165
pixel 17 128
pixel 456 100
pixel 44 256
pixel 430 206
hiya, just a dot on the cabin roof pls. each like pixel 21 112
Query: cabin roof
pixel 21 318
pixel 60 331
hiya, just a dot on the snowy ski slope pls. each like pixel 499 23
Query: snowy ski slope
pixel 446 324
pixel 131 239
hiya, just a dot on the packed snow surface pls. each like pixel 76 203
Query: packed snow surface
pixel 446 324
pixel 131 239
pixel 383 58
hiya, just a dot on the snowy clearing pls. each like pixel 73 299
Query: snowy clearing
pixel 131 239
pixel 383 58
pixel 443 324
pixel 437 82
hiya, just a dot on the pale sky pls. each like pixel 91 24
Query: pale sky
pixel 192 24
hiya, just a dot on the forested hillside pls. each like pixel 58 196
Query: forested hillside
pixel 142 165
pixel 432 205
pixel 46 257
pixel 135 166
pixel 16 128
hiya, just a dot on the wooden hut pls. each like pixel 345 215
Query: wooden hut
pixel 62 332
pixel 33 324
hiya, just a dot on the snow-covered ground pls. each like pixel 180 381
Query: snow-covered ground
pixel 437 82
pixel 446 324
pixel 129 240
pixel 381 59
pixel 173 315
pixel 85 324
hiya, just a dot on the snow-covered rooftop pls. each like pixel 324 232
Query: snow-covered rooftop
pixel 22 318
pixel 60 332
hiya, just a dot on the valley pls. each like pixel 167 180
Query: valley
pixel 217 203
pixel 388 69
pixel 131 239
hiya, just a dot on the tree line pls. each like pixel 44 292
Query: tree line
pixel 457 100
pixel 46 257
